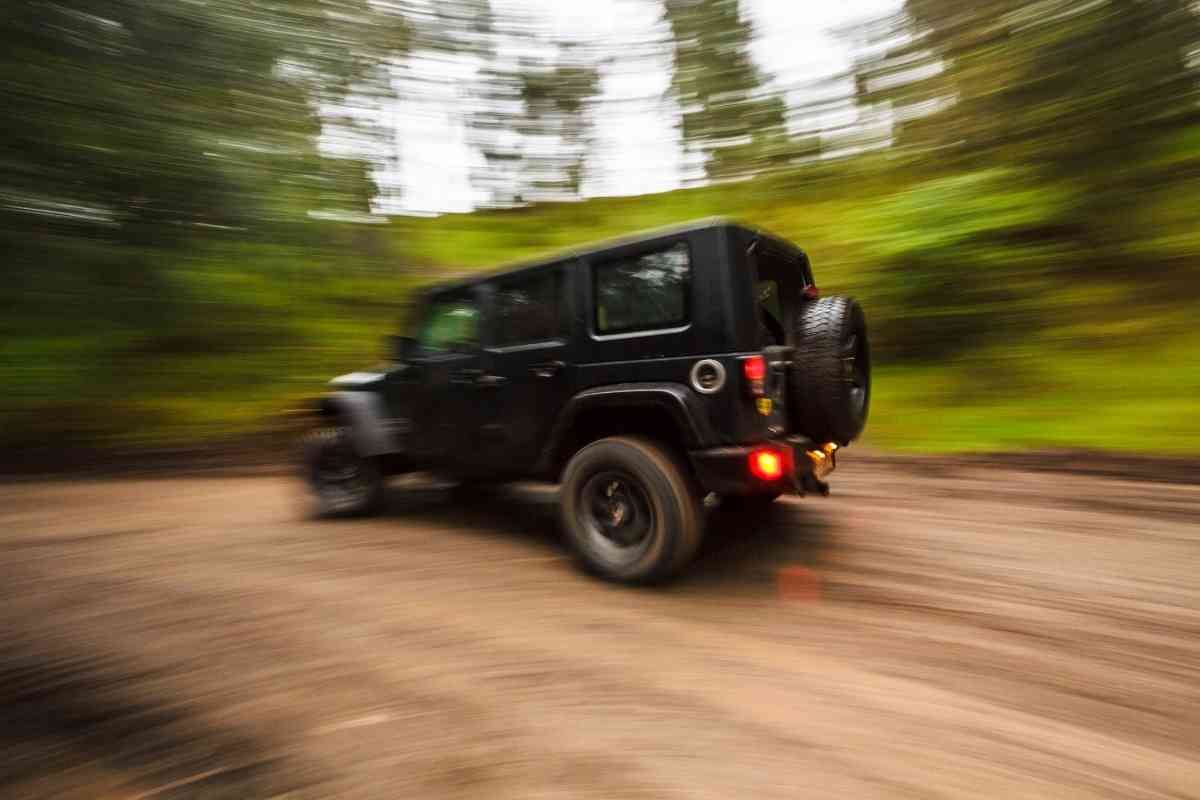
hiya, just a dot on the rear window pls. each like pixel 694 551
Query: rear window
pixel 644 292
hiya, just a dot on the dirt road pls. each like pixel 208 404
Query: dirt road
pixel 980 633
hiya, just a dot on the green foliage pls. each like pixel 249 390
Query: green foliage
pixel 1083 93
pixel 1073 362
pixel 990 331
pixel 140 138
pixel 178 264
pixel 962 261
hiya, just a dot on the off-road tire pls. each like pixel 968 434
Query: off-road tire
pixel 360 494
pixel 676 519
pixel 830 377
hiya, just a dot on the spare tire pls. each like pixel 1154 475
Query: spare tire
pixel 830 377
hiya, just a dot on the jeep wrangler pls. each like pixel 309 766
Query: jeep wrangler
pixel 651 377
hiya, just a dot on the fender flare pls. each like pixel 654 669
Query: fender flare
pixel 365 415
pixel 677 400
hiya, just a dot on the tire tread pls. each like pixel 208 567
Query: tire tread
pixel 685 538
pixel 819 401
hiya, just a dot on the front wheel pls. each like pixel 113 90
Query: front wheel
pixel 630 510
pixel 345 483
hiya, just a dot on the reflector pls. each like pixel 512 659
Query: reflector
pixel 755 368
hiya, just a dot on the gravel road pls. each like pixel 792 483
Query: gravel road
pixel 962 633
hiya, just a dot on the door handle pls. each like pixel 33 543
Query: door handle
pixel 487 380
pixel 547 369
pixel 476 377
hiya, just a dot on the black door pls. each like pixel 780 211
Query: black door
pixel 443 382
pixel 528 376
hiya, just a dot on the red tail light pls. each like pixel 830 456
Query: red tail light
pixel 766 465
pixel 755 370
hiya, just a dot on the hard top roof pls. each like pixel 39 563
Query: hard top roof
pixel 600 247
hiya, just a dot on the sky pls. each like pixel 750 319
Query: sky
pixel 637 149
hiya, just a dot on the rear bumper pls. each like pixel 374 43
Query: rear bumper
pixel 726 470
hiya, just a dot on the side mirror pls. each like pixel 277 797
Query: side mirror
pixel 403 348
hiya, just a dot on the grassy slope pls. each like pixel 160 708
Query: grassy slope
pixel 1110 366
pixel 1109 369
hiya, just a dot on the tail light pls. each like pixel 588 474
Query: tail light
pixel 766 464
pixel 755 370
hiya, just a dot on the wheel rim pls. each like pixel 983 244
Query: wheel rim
pixel 854 371
pixel 340 473
pixel 617 516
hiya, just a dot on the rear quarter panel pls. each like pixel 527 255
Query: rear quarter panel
pixel 720 291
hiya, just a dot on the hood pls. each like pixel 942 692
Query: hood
pixel 357 380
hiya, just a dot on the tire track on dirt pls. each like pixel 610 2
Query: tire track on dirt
pixel 449 651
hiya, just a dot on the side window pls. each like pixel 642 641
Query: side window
pixel 451 324
pixel 643 292
pixel 528 309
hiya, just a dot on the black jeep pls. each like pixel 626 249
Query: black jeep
pixel 646 376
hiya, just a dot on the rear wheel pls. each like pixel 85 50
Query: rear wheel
pixel 630 510
pixel 830 375
pixel 344 482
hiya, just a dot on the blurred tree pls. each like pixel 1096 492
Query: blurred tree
pixel 1081 92
pixel 142 136
pixel 493 125
pixel 557 93
pixel 138 121
pixel 995 74
pixel 493 108
pixel 729 115
pixel 493 122
pixel 527 112
pixel 1059 108
pixel 462 27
